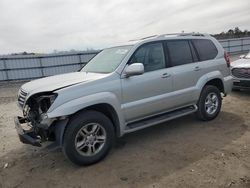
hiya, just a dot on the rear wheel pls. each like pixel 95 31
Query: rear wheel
pixel 209 104
pixel 88 138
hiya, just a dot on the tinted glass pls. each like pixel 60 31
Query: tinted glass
pixel 205 48
pixel 151 56
pixel 179 52
pixel 107 60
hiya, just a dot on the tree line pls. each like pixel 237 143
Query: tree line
pixel 232 33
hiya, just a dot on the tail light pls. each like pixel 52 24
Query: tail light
pixel 227 59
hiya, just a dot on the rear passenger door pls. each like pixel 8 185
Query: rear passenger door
pixel 207 52
pixel 184 68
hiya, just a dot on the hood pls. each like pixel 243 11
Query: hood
pixel 241 63
pixel 52 83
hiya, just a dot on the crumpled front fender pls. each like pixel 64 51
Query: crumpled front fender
pixel 75 105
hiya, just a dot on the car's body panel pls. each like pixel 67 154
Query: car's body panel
pixel 56 82
pixel 228 84
pixel 105 83
pixel 241 63
pixel 184 88
pixel 145 94
pixel 73 106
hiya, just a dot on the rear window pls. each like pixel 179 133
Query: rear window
pixel 205 48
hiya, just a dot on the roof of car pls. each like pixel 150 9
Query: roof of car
pixel 168 36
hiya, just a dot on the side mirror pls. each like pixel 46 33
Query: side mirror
pixel 134 69
pixel 242 56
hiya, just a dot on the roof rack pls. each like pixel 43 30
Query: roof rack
pixel 152 36
pixel 182 34
pixel 170 34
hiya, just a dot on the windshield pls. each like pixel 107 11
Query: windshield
pixel 107 60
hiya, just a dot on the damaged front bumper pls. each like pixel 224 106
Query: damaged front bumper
pixel 26 136
pixel 34 137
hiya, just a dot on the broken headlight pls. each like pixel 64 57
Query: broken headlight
pixel 37 107
pixel 45 101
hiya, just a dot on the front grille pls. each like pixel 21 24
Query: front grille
pixel 21 97
pixel 241 72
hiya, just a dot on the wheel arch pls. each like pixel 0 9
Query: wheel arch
pixel 106 109
pixel 217 82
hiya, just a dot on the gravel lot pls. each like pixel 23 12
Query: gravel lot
pixel 181 153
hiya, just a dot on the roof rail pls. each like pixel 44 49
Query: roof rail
pixel 144 38
pixel 148 37
pixel 182 34
pixel 169 34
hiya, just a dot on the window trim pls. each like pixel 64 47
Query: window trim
pixel 167 56
pixel 195 51
pixel 148 43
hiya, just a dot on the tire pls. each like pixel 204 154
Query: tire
pixel 79 146
pixel 209 109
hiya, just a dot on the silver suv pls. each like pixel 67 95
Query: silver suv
pixel 124 89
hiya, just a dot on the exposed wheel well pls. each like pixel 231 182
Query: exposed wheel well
pixel 108 111
pixel 217 83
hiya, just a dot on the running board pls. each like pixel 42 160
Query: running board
pixel 157 119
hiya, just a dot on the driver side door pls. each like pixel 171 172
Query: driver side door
pixel 147 94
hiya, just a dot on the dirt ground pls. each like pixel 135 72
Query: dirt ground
pixel 181 153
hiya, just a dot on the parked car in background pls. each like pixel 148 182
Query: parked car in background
pixel 241 72
pixel 124 89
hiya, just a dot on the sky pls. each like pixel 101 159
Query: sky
pixel 42 26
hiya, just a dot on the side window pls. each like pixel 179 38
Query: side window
pixel 151 56
pixel 179 52
pixel 205 48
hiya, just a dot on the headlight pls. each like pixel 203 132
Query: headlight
pixel 52 98
pixel 45 101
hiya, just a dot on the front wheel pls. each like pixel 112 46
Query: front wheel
pixel 209 104
pixel 88 138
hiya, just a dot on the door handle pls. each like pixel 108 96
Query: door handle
pixel 166 75
pixel 197 68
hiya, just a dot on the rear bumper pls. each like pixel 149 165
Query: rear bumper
pixel 228 84
pixel 26 136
